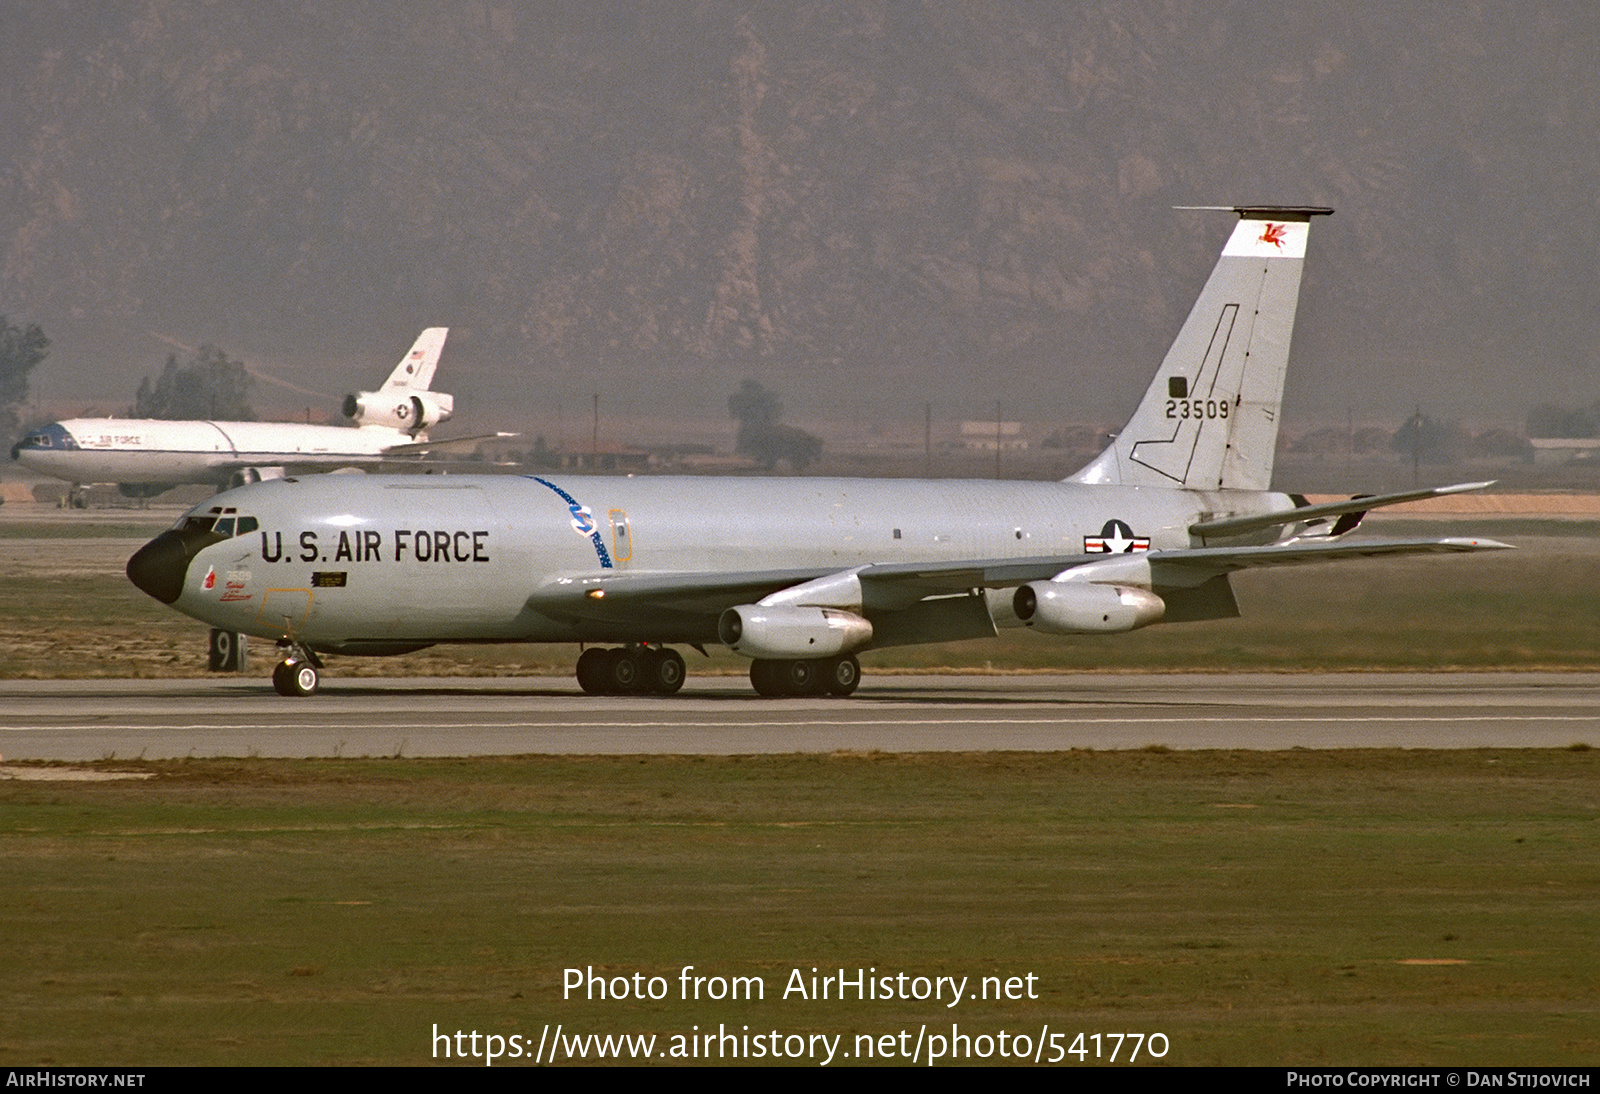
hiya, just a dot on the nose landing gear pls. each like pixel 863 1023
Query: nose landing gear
pixel 296 674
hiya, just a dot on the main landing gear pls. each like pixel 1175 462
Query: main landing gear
pixel 648 670
pixel 826 676
pixel 651 670
pixel 296 674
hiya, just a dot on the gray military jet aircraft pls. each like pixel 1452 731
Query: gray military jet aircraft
pixel 799 574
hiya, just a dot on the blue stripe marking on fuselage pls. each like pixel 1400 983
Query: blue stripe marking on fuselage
pixel 576 509
pixel 54 437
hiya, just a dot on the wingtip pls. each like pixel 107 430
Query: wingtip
pixel 1463 543
pixel 1465 487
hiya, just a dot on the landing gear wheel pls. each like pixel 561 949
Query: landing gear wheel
pixel 772 678
pixel 295 678
pixel 593 670
pixel 664 671
pixel 841 675
pixel 800 677
pixel 622 672
pixel 766 677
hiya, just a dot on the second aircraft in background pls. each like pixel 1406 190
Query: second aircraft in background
pixel 391 423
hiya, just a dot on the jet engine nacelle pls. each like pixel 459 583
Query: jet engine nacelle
pixel 1081 608
pixel 792 632
pixel 411 411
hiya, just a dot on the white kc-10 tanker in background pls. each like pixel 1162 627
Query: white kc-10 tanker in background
pixel 798 574
pixel 391 423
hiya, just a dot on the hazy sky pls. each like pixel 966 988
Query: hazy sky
pixel 864 206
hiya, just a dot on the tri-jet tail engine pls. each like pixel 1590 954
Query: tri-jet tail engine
pixel 406 409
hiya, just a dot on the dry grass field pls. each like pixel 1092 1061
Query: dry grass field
pixel 1306 907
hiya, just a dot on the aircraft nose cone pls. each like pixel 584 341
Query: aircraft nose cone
pixel 160 566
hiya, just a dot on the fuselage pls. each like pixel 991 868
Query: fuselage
pixel 137 450
pixel 390 561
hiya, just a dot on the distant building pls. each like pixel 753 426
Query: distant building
pixel 1558 450
pixel 987 436
pixel 606 458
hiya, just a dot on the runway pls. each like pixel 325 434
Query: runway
pixel 243 717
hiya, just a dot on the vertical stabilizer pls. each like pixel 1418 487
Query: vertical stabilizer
pixel 1209 420
pixel 415 369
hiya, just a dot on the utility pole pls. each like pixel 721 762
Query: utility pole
pixel 997 438
pixel 1416 446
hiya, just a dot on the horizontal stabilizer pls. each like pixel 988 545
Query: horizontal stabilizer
pixel 1233 526
pixel 1191 567
pixel 423 448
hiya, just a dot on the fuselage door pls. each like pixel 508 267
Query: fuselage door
pixel 621 537
pixel 284 610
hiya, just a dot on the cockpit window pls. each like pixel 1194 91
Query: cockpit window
pixel 221 526
pixel 54 435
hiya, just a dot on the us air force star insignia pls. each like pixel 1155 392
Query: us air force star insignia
pixel 1116 538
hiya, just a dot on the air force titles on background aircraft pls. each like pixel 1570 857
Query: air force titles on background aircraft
pixel 391 423
pixel 799 575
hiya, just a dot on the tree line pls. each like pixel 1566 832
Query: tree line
pixel 206 384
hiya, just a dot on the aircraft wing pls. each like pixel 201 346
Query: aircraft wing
pixel 629 596
pixel 626 595
pixel 423 448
